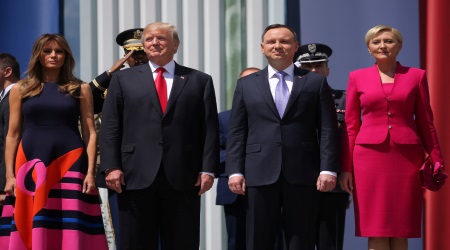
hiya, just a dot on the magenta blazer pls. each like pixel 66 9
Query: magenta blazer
pixel 409 120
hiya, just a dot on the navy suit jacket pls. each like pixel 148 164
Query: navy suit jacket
pixel 224 195
pixel 138 138
pixel 4 123
pixel 262 145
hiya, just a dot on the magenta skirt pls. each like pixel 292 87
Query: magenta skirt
pixel 387 195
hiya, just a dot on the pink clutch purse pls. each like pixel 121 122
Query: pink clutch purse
pixel 432 175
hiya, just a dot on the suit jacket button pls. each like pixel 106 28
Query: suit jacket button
pixel 389 126
pixel 278 143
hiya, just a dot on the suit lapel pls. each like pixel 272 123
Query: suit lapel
pixel 179 81
pixel 374 80
pixel 375 77
pixel 262 84
pixel 297 86
pixel 399 73
pixel 148 85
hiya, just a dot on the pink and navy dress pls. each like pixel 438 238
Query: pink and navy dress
pixel 50 210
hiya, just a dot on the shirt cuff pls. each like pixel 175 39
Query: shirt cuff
pixel 208 173
pixel 329 173
pixel 236 174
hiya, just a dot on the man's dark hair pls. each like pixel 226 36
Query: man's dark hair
pixel 276 26
pixel 7 60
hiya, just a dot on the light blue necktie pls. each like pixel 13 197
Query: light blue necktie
pixel 281 93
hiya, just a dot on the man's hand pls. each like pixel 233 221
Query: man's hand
pixel 115 179
pixel 346 181
pixel 205 181
pixel 326 182
pixel 237 184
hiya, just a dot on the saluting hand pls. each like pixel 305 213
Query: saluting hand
pixel 120 63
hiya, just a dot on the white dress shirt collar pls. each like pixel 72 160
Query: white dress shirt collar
pixel 169 67
pixel 289 70
pixel 5 91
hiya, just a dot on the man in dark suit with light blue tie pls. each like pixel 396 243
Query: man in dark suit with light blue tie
pixel 282 145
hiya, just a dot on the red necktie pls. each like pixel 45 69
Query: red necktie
pixel 161 88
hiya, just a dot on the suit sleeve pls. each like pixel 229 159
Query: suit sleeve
pixel 223 142
pixel 211 146
pixel 237 134
pixel 327 130
pixel 98 87
pixel 5 117
pixel 424 121
pixel 111 128
pixel 351 125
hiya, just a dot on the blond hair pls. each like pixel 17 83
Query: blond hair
pixel 379 28
pixel 164 26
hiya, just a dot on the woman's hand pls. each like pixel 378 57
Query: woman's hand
pixel 346 181
pixel 89 184
pixel 10 186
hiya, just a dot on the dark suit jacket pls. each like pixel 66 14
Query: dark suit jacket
pixel 224 195
pixel 261 145
pixel 339 102
pixel 138 138
pixel 4 123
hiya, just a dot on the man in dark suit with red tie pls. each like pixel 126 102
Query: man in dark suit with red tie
pixel 282 145
pixel 160 145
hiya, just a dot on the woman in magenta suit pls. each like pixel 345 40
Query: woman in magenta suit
pixel 385 149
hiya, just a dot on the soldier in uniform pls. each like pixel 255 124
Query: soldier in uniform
pixel 134 55
pixel 333 204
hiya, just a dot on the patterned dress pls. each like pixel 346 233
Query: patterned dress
pixel 50 210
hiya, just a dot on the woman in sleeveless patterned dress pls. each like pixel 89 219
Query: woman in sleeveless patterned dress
pixel 53 201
